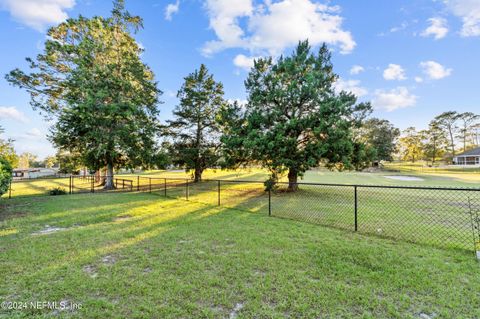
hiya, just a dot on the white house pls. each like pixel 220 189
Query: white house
pixel 33 173
pixel 471 157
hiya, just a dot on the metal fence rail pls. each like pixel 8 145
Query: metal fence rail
pixel 442 217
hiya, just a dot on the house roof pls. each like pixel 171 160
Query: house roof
pixel 472 152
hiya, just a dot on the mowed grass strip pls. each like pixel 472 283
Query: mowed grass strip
pixel 140 255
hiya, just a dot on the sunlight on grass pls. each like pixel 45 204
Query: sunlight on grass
pixel 6 232
pixel 120 254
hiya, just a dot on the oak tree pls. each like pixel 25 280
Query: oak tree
pixel 91 81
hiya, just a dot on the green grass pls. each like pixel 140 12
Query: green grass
pixel 140 255
pixel 446 178
pixel 439 178
pixel 438 217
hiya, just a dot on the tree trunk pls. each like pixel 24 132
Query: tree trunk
pixel 197 175
pixel 109 178
pixel 292 180
pixel 452 142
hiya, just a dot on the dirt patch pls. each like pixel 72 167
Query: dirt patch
pixel 147 270
pixel 236 309
pixel 10 215
pixel 48 230
pixel 405 178
pixel 259 273
pixel 91 271
pixel 122 218
pixel 109 260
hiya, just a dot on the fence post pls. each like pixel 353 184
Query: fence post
pixel 150 184
pixel 356 208
pixel 10 190
pixel 70 185
pixel 186 191
pixel 138 183
pixel 269 202
pixel 218 192
pixel 93 185
pixel 165 186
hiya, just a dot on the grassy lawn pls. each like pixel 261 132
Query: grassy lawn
pixel 446 178
pixel 438 217
pixel 140 255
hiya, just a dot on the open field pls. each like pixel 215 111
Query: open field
pixel 439 178
pixel 442 218
pixel 135 255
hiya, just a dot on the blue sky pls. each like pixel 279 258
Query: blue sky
pixel 412 59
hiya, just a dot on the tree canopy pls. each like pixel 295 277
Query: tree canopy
pixel 7 151
pixel 411 145
pixel 434 142
pixel 294 118
pixel 381 135
pixel 195 129
pixel 90 79
pixel 5 175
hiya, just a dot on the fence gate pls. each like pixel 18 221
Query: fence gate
pixel 475 218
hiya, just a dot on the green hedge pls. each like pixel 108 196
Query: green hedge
pixel 5 175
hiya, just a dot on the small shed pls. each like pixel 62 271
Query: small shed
pixel 21 173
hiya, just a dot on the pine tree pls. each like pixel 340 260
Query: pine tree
pixel 195 129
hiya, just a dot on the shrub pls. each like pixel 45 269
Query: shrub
pixel 5 175
pixel 270 184
pixel 57 191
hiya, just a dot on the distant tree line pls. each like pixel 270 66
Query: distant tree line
pixel 447 135
pixel 6 160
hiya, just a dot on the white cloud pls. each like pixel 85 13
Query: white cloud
pixel 243 62
pixel 224 15
pixel 394 99
pixel 469 12
pixel 356 69
pixel 11 113
pixel 401 27
pixel 438 28
pixel 34 133
pixel 271 27
pixel 394 72
pixel 171 9
pixel 434 70
pixel 352 86
pixel 38 13
pixel 418 79
pixel 33 141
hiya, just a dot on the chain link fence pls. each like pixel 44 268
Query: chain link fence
pixel 442 217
